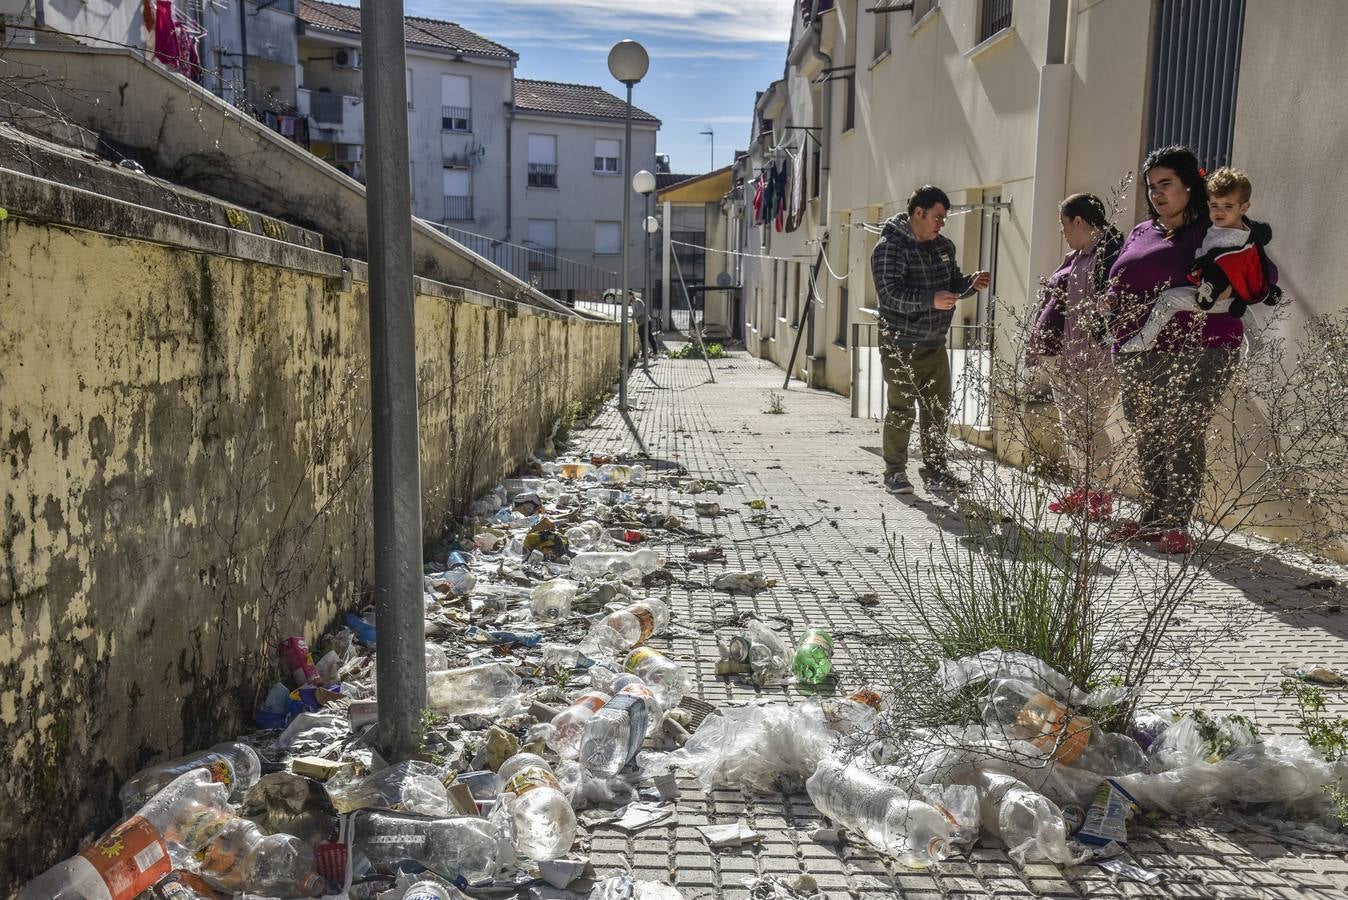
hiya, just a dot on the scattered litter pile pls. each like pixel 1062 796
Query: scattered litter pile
pixel 550 716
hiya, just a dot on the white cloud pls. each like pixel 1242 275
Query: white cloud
pixel 711 21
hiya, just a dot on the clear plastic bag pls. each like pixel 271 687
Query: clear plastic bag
pixel 996 664
pixel 754 746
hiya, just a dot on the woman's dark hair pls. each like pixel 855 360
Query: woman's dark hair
pixel 1085 206
pixel 1182 161
pixel 926 197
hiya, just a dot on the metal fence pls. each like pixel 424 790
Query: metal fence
pixel 563 278
pixel 542 175
pixel 458 209
pixel 1194 72
pixel 995 15
pixel 970 350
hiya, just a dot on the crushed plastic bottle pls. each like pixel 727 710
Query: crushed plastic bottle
pixel 627 683
pixel 662 675
pixel 467 846
pixel 410 786
pixel 613 735
pixel 543 822
pixel 426 890
pixel 472 690
pixel 855 713
pixel 164 834
pixel 1030 824
pixel 569 724
pixel 769 655
pixel 234 765
pixel 1027 713
pixel 630 567
pixel 436 659
pixel 626 628
pixel 240 857
pixel 913 831
pixel 551 600
pixel 814 656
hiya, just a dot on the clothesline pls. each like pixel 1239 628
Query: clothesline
pixel 740 252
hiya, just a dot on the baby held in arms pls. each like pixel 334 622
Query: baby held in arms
pixel 1230 270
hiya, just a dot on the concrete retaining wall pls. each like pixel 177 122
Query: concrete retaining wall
pixel 184 437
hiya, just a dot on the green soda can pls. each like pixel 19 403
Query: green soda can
pixel 814 656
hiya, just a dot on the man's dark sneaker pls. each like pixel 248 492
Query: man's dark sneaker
pixel 898 483
pixel 943 480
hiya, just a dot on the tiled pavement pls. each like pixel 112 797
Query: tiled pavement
pixel 812 466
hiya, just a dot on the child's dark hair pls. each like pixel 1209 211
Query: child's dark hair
pixel 1084 206
pixel 1182 161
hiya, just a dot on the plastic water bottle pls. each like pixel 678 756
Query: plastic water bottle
pixel 625 628
pixel 814 656
pixel 613 735
pixel 551 600
pixel 630 567
pixel 1029 714
pixel 569 724
pixel 241 858
pixel 543 823
pixel 769 655
pixel 461 845
pixel 662 675
pixel 854 713
pixel 627 683
pixel 472 690
pixel 164 834
pixel 234 765
pixel 1030 824
pixel 914 831
pixel 436 659
pixel 426 890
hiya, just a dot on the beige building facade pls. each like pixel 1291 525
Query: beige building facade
pixel 1010 106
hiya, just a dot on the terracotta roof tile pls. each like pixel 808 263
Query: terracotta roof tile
pixel 323 16
pixel 574 100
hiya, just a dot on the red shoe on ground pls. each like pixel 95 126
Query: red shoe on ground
pixel 1176 540
pixel 1099 506
pixel 1069 504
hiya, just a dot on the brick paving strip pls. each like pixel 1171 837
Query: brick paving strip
pixel 813 466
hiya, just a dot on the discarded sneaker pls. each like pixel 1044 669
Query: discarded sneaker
pixel 898 483
pixel 1176 540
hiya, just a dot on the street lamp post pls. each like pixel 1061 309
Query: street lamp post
pixel 644 184
pixel 627 62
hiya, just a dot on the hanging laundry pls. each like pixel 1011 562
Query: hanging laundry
pixel 758 203
pixel 796 212
pixel 175 40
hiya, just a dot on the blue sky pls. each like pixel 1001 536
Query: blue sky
pixel 708 57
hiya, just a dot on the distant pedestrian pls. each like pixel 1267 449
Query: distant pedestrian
pixel 917 283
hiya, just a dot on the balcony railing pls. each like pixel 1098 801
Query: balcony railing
pixel 996 15
pixel 458 209
pixel 456 118
pixel 542 175
pixel 541 267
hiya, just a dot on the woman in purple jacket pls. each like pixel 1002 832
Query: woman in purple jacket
pixel 1171 392
pixel 1070 340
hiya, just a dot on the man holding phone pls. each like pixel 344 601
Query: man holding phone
pixel 917 283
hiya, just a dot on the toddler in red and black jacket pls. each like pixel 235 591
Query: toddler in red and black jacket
pixel 1231 267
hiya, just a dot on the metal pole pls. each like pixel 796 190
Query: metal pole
pixel 243 53
pixel 643 338
pixel 623 349
pixel 668 286
pixel 401 641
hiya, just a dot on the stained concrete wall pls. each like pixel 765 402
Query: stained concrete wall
pixel 184 436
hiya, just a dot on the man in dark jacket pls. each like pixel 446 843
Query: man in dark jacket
pixel 917 283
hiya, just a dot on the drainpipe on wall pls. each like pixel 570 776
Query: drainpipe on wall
pixel 825 143
pixel 1050 150
pixel 510 147
pixel 243 49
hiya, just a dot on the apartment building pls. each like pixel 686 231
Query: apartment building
pixel 458 88
pixel 1010 105
pixel 569 178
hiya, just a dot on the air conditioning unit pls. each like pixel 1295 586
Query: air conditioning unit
pixel 348 153
pixel 346 59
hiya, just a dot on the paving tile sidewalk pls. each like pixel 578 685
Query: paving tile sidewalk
pixel 813 466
